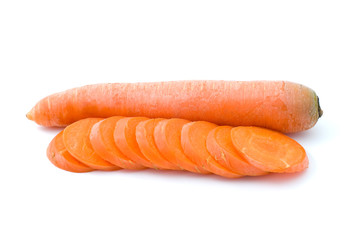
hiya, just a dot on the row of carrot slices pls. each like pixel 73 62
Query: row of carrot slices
pixel 176 144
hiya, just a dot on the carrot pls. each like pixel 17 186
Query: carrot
pixel 193 140
pixel 167 136
pixel 279 105
pixel 102 141
pixel 269 150
pixel 77 142
pixel 61 158
pixel 297 167
pixel 125 140
pixel 147 145
pixel 204 147
pixel 220 146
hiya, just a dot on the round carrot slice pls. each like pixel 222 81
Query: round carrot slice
pixel 76 138
pixel 269 150
pixel 125 140
pixel 167 135
pixel 147 145
pixel 61 158
pixel 193 141
pixel 220 146
pixel 103 143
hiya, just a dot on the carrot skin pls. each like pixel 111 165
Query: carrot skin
pixel 279 105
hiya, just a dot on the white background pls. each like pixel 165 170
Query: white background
pixel 50 46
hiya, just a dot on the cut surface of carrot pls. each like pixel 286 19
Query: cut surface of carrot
pixel 61 158
pixel 269 150
pixel 102 141
pixel 76 138
pixel 193 141
pixel 147 145
pixel 125 140
pixel 167 135
pixel 220 146
pixel 298 167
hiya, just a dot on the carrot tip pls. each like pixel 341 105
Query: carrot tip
pixel 29 115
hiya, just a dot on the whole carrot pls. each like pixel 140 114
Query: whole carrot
pixel 279 105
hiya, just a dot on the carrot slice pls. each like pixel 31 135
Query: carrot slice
pixel 193 140
pixel 167 135
pixel 103 143
pixel 76 138
pixel 269 150
pixel 220 146
pixel 61 158
pixel 147 145
pixel 125 140
pixel 298 167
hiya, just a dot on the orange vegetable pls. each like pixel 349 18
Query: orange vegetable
pixel 269 150
pixel 125 140
pixel 278 105
pixel 61 158
pixel 193 140
pixel 76 138
pixel 220 146
pixel 167 136
pixel 203 147
pixel 147 145
pixel 102 141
